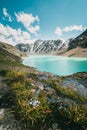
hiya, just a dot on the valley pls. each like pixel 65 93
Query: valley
pixel 34 100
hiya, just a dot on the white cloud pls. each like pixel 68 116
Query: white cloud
pixel 31 41
pixel 34 29
pixel 73 28
pixel 7 15
pixel 14 36
pixel 58 31
pixel 9 40
pixel 28 20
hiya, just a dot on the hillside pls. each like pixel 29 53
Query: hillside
pixel 11 49
pixel 78 46
pixel 76 52
pixel 33 100
pixel 80 41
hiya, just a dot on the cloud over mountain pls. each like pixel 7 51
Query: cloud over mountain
pixel 13 36
pixel 59 31
pixel 73 28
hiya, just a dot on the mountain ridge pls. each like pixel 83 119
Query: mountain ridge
pixel 57 47
pixel 79 41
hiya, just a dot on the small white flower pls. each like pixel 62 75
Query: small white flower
pixel 35 103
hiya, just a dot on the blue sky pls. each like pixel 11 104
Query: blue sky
pixel 41 19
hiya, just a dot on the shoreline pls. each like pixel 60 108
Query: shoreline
pixel 59 56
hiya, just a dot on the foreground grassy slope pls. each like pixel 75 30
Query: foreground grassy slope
pixel 37 100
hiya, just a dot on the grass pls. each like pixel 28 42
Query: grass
pixel 43 116
pixel 65 92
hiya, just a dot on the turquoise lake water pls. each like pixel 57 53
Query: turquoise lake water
pixel 57 64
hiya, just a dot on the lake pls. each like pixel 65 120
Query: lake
pixel 58 65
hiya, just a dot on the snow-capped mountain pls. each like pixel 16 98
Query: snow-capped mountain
pixel 47 46
pixel 23 47
pixel 41 46
pixel 56 46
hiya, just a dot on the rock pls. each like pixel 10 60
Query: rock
pixel 7 120
pixel 75 85
pixel 39 85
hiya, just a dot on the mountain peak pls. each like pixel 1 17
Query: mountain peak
pixel 79 41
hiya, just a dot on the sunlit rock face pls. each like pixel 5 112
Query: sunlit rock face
pixel 75 85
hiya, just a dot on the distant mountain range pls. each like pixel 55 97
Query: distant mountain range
pixel 67 48
pixel 41 46
pixel 44 47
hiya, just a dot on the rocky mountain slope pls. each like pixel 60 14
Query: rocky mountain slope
pixel 78 46
pixel 41 47
pixel 67 48
pixel 11 49
pixel 80 41
pixel 23 47
pixel 8 56
pixel 48 46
